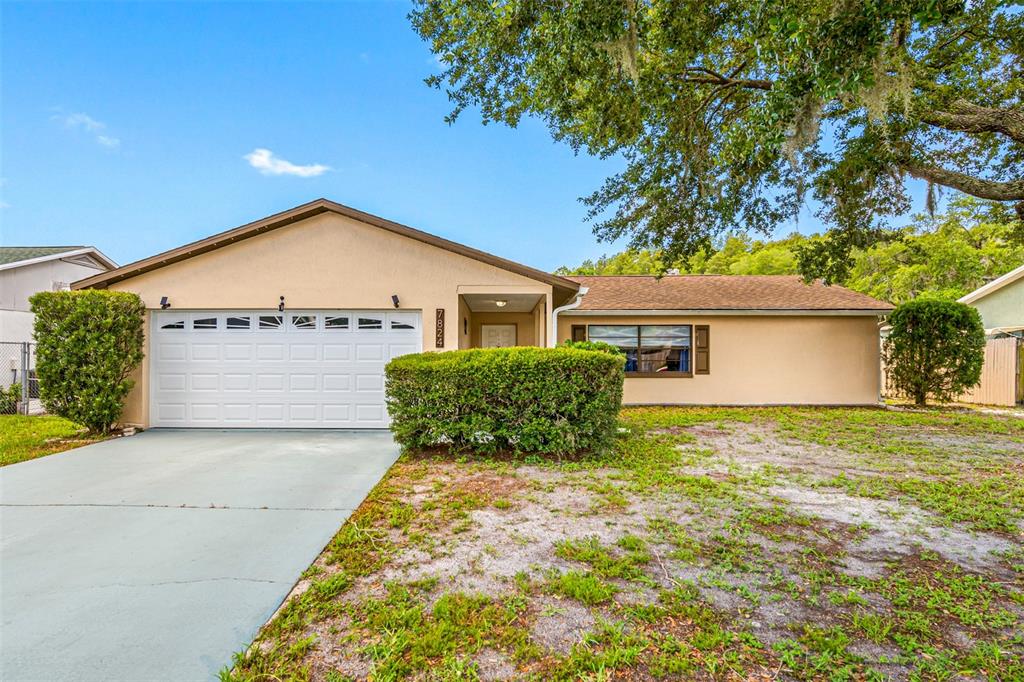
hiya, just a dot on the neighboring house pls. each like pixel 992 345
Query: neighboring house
pixel 1001 305
pixel 288 322
pixel 25 270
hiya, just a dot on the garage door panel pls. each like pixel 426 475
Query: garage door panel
pixel 369 352
pixel 205 382
pixel 269 383
pixel 267 369
pixel 171 352
pixel 270 412
pixel 204 412
pixel 336 351
pixel 337 382
pixel 238 412
pixel 172 382
pixel 237 382
pixel 270 351
pixel 302 383
pixel 171 412
pixel 237 352
pixel 369 413
pixel 302 351
pixel 205 352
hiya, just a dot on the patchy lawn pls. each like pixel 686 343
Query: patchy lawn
pixel 842 544
pixel 28 437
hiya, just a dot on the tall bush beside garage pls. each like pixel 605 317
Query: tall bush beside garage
pixel 88 343
pixel 935 349
pixel 551 401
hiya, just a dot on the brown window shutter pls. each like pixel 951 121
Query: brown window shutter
pixel 579 332
pixel 702 349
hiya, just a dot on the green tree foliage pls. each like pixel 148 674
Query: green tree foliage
pixel 935 349
pixel 958 252
pixel 945 257
pixel 88 343
pixel 728 115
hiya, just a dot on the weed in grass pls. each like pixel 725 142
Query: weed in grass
pixel 603 562
pixel 583 587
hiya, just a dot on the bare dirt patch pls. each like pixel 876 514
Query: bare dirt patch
pixel 736 557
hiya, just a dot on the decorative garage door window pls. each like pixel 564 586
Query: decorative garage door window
pixel 321 369
pixel 651 349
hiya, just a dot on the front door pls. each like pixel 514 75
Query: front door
pixel 497 335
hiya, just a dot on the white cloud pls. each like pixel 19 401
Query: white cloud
pixel 266 163
pixel 84 122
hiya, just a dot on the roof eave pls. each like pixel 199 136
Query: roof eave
pixel 85 251
pixel 993 286
pixel 655 312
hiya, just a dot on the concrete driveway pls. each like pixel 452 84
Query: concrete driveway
pixel 156 557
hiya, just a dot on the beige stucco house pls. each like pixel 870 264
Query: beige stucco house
pixel 289 321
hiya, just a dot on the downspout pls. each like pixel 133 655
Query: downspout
pixel 553 337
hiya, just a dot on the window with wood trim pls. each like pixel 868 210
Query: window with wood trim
pixel 651 349
pixel 579 332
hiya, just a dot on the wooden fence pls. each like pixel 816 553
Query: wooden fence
pixel 1002 381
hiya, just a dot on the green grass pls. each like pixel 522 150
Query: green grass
pixel 26 437
pixel 726 529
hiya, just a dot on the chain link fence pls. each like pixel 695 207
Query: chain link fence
pixel 19 387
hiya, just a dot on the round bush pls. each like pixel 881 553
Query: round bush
pixel 553 401
pixel 935 349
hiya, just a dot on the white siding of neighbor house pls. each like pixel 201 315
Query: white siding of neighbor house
pixel 17 284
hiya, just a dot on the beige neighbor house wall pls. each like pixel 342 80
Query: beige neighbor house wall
pixel 764 360
pixel 322 262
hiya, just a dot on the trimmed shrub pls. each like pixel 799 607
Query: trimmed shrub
pixel 600 346
pixel 935 349
pixel 553 401
pixel 88 343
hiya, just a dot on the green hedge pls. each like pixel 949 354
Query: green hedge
pixel 88 343
pixel 594 345
pixel 554 401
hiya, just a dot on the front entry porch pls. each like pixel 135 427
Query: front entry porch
pixel 497 320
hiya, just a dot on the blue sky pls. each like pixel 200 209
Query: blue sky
pixel 137 127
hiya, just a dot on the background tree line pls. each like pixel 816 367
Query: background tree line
pixel 943 257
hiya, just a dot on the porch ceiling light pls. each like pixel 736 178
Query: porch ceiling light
pixel 500 303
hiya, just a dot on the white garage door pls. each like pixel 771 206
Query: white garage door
pixel 316 369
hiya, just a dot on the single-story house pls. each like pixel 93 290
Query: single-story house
pixel 25 270
pixel 1001 305
pixel 288 322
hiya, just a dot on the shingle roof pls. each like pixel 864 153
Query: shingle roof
pixel 719 292
pixel 13 254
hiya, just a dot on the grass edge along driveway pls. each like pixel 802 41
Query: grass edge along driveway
pixel 26 437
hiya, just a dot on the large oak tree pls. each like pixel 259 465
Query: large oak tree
pixel 730 114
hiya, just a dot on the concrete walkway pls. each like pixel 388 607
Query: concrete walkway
pixel 156 557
